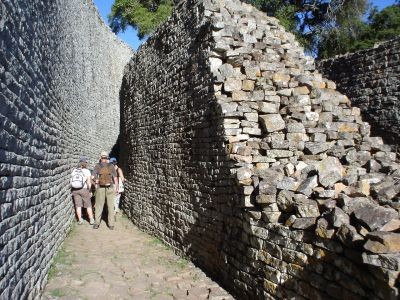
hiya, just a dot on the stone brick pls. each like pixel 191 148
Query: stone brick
pixel 232 84
pixel 272 122
pixel 248 85
pixel 383 242
pixel 375 217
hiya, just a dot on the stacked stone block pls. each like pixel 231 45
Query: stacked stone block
pixel 58 101
pixel 371 80
pixel 242 156
pixel 173 155
pixel 306 163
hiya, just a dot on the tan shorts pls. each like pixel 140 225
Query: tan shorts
pixel 82 198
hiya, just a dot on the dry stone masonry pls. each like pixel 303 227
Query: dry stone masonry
pixel 60 74
pixel 239 154
pixel 371 80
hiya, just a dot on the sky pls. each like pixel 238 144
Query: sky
pixel 130 36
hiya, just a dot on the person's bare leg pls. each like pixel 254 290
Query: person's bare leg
pixel 79 213
pixel 116 203
pixel 90 214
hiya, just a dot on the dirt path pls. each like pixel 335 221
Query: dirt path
pixel 124 263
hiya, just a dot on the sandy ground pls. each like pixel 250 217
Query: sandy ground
pixel 124 263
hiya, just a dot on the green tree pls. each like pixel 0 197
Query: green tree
pixel 386 24
pixel 143 15
pixel 330 27
pixel 320 25
pixel 341 33
pixel 381 26
pixel 324 27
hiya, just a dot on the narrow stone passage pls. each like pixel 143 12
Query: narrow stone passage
pixel 124 264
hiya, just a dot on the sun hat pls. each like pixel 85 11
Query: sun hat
pixel 104 154
pixel 113 159
pixel 83 159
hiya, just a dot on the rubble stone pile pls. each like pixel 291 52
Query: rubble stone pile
pixel 251 163
pixel 303 154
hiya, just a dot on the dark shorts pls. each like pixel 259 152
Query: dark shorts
pixel 82 198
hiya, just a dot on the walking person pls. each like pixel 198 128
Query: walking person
pixel 81 184
pixel 121 180
pixel 106 181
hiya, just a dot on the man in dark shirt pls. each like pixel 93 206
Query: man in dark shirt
pixel 106 180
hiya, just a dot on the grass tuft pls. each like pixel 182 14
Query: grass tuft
pixel 61 258
pixel 58 293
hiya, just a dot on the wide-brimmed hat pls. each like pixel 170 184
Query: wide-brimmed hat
pixel 104 154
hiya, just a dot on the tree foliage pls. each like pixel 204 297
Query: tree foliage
pixel 324 27
pixel 386 24
pixel 315 22
pixel 330 27
pixel 343 30
pixel 143 15
pixel 380 26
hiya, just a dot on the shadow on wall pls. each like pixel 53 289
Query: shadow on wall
pixel 116 149
pixel 205 231
pixel 211 194
pixel 291 267
pixel 213 234
pixel 172 147
pixel 181 184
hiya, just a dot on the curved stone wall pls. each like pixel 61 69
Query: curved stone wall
pixel 240 155
pixel 371 80
pixel 60 74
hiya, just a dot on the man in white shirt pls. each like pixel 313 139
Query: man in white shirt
pixel 81 191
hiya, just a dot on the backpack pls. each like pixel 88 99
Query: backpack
pixel 77 179
pixel 105 177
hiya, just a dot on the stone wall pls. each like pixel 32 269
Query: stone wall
pixel 371 80
pixel 240 155
pixel 173 150
pixel 60 73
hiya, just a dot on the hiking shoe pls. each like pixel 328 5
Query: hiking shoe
pixel 96 226
pixel 80 222
pixel 111 227
pixel 91 222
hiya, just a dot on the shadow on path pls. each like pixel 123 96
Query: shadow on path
pixel 124 263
